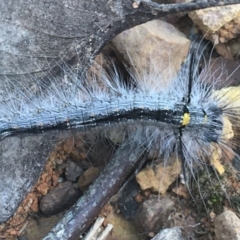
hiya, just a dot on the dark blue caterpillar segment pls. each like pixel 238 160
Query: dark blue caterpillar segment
pixel 197 120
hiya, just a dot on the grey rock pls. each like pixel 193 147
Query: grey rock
pixel 174 233
pixel 153 213
pixel 227 226
pixel 22 160
pixel 73 171
pixel 59 198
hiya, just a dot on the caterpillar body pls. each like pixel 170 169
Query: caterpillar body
pixel 185 116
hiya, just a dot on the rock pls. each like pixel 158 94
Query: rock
pixel 59 199
pixel 158 40
pixel 73 171
pixel 43 188
pixel 22 160
pixel 212 19
pixel 159 178
pixel 174 233
pixel 227 226
pixel 126 201
pixel 220 25
pixel 153 213
pixel 87 178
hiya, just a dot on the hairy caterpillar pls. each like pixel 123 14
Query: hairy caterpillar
pixel 186 114
pixel 185 117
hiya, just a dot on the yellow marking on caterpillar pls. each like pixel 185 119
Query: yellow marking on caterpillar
pixel 186 119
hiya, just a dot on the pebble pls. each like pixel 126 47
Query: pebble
pixel 73 171
pixel 153 213
pixel 227 226
pixel 59 198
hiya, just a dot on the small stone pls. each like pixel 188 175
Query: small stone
pixel 135 5
pixel 138 198
pixel 151 234
pixel 59 161
pixel 43 188
pixel 73 171
pixel 227 226
pixel 59 199
pixel 181 190
pixel 87 178
pixel 159 178
pixel 152 214
pixel 34 206
pixel 126 201
pixel 174 233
